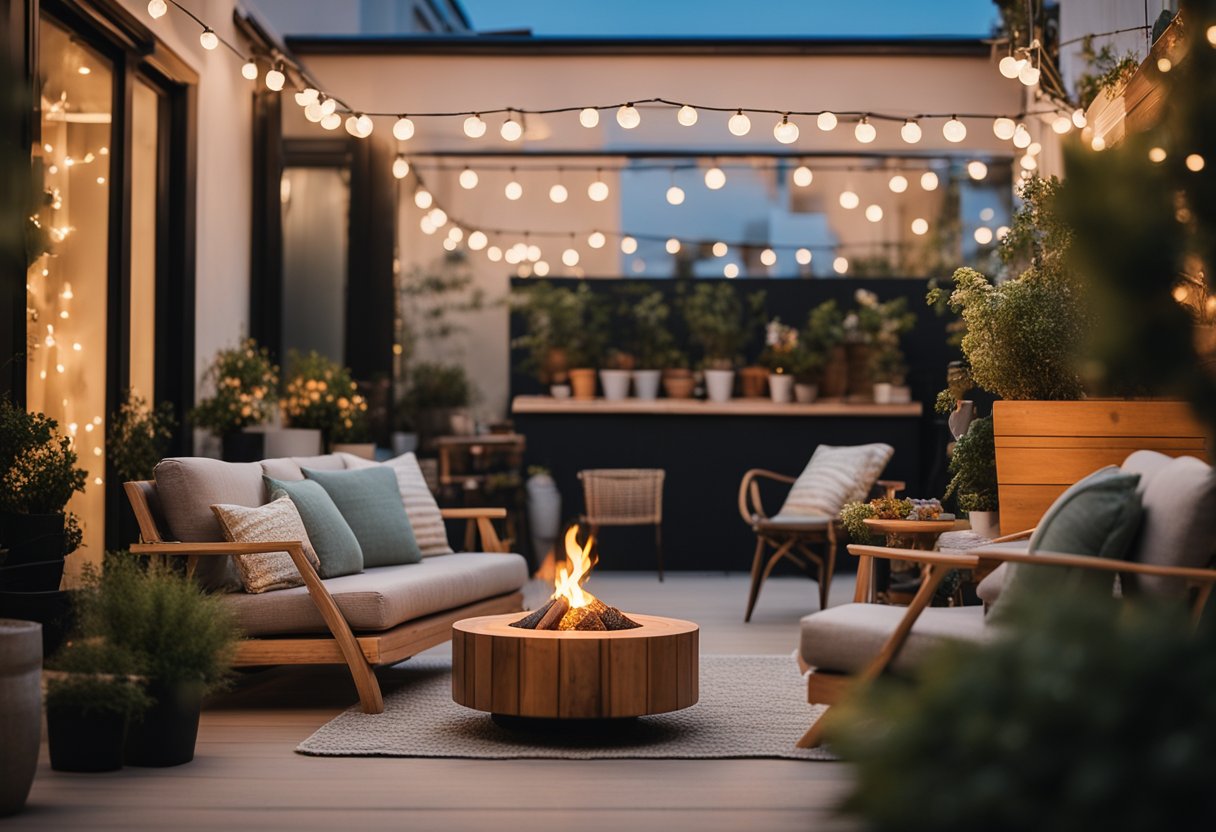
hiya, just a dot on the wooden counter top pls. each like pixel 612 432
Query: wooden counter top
pixel 697 407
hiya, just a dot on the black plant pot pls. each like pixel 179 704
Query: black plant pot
pixel 30 538
pixel 167 733
pixel 43 576
pixel 53 610
pixel 242 446
pixel 85 742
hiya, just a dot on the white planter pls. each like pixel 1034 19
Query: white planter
pixel 280 442
pixel 404 442
pixel 646 384
pixel 882 392
pixel 559 391
pixel 781 387
pixel 985 523
pixel 544 514
pixel 719 385
pixel 363 450
pixel 615 384
pixel 805 393
pixel 21 711
pixel 901 394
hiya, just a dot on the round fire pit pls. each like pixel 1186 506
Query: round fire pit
pixel 574 674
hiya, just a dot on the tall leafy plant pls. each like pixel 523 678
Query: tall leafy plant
pixel 563 327
pixel 717 321
pixel 138 436
pixel 244 387
pixel 38 471
pixel 973 468
pixel 650 338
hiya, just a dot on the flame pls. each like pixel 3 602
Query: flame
pixel 569 580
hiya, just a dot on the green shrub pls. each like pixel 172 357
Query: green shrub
pixel 437 386
pixel 973 466
pixel 94 676
pixel 137 437
pixel 244 383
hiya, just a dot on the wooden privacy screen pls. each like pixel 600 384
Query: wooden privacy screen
pixel 1044 447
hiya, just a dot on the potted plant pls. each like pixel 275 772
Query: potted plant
pixel 562 335
pixel 807 369
pixel 438 400
pixel 713 315
pixel 21 715
pixel 678 380
pixel 319 394
pixel 244 383
pixel 973 478
pixel 780 356
pixel 137 437
pixel 824 335
pixel 616 374
pixel 93 693
pixel 182 638
pixel 651 342
pixel 874 331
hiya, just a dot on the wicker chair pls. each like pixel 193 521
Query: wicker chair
pixel 625 497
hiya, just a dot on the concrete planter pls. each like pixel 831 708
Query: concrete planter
pixel 21 713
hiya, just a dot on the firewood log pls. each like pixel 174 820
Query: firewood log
pixel 582 618
pixel 553 617
pixel 532 619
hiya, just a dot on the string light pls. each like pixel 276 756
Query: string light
pixel 864 132
pixel 331 121
pixel 1029 73
pixel 558 194
pixel 438 216
pixel 596 239
pixel 715 178
pixel 803 256
pixel 468 179
pixel 494 253
pixel 954 130
pixel 628 245
pixel 768 257
pixel 1194 163
pixel 977 170
pixel 910 132
pixel 401 168
pixel 1078 119
pixel 675 195
pixel 739 124
pixel 157 9
pixel 686 115
pixel 403 129
pixel 628 116
pixel 589 117
pixel 423 198
pixel 898 184
pixel 477 240
pixel 306 96
pixel 849 200
pixel 249 70
pixel 1010 66
pixel 597 191
pixel 826 121
pixel 570 257
pixel 1156 154
pixel 803 176
pixel 720 248
pixel 840 265
pixel 983 235
pixel 673 246
pixel 513 190
pixel 1021 136
pixel 928 181
pixel 874 213
pixel 474 127
pixel 785 130
pixel 208 39
pixel 511 130
pixel 275 79
pixel 730 271
pixel 1003 128
pixel 1211 33
pixel 1061 124
pixel 540 268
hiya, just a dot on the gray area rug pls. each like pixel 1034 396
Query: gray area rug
pixel 750 706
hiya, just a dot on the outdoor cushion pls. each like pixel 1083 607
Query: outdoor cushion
pixel 989 589
pixel 371 504
pixel 331 536
pixel 835 475
pixel 287 468
pixel 1179 528
pixel 425 517
pixel 276 521
pixel 384 597
pixel 793 523
pixel 847 637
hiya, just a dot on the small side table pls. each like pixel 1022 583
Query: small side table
pixel 907 534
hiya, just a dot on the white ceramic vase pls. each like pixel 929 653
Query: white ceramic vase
pixel 20 710
pixel 805 393
pixel 559 391
pixel 646 384
pixel 781 387
pixel 544 514
pixel 719 385
pixel 882 392
pixel 615 384
pixel 404 442
pixel 986 524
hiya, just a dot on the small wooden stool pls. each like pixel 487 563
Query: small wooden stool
pixel 625 497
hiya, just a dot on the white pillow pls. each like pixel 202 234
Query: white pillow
pixel 420 505
pixel 836 475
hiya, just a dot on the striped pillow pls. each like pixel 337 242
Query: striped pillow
pixel 420 505
pixel 836 475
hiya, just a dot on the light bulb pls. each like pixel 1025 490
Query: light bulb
pixel 803 256
pixel 1003 128
pixel 403 129
pixel 558 193
pixel 768 257
pixel 977 170
pixel 673 246
pixel 364 126
pixel 449 244
pixel 157 9
pixel 208 39
pixel 352 124
pixel 920 226
pixel 987 214
pixel 1029 74
pixel 840 265
pixel 1021 136
pixel 1078 118
pixel 629 245
pixel 423 198
pixel 1028 162
pixel 589 117
pixel 675 195
pixel 898 184
pixel 426 225
pixel 954 130
pixel 1157 154
pixel 513 190
pixel 456 233
pixel 401 168
pixel 438 216
pixel 249 70
pixel 1009 66
pixel 628 116
pixel 1211 34
pixel 910 132
pixel 715 178
pixel 494 253
pixel 468 179
pixel 477 240
pixel 686 115
pixel 983 235
pixel 739 124
pixel 864 132
pixel 1002 231
pixel 785 131
pixel 328 105
pixel 474 127
pixel 275 80
pixel 513 256
pixel 596 239
pixel 306 96
pixel 1098 143
pixel 313 112
pixel 803 176
pixel 532 253
pixel 874 213
pixel 540 268
pixel 928 181
pixel 1061 124
pixel 1194 163
pixel 720 248
pixel 511 130
pixel 597 191
pixel 332 121
pixel 849 200
pixel 826 121
pixel 1034 148
pixel 730 271
pixel 570 257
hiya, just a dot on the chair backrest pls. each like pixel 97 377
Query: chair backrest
pixel 145 502
pixel 836 475
pixel 623 496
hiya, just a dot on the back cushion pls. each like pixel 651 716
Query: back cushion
pixel 370 503
pixel 836 475
pixel 425 517
pixel 1179 528
pixel 331 536
pixel 288 468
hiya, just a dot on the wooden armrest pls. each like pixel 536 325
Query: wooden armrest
pixel 474 513
pixel 1203 576
pixel 967 561
pixel 179 548
pixel 749 488
pixel 1010 538
pixel 770 475
pixel 891 487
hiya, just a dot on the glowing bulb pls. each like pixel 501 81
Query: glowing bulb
pixel 513 256
pixel 629 245
pixel 364 126
pixel 928 180
pixel 477 241
pixel 1029 74
pixel 686 115
pixel 1003 128
pixel 1157 154
pixel 803 256
pixel 1061 125
pixel 977 170
pixel 628 116
pixel 532 253
pixel 1211 33
pixel 675 195
pixel 513 190
pixel 1078 118
pixel 983 235
pixel 849 200
pixel 785 131
pixel 352 125
pixel 954 130
pixel 306 96
pixel 730 271
pixel 840 265
pixel 826 121
pixel 597 191
pixel 596 239
pixel 803 176
pixel 720 249
pixel 898 184
pixel 468 179
pixel 1194 163
pixel 328 105
pixel 403 129
pixel 401 168
pixel 423 198
pixel 864 132
pixel 249 70
pixel 209 40
pixel 673 246
pixel 1098 143
pixel 540 268
pixel 331 121
pixel 987 214
pixel 494 253
pixel 511 130
pixel 456 233
pixel 157 9
pixel 438 216
pixel 768 257
pixel 1001 232
pixel 558 193
pixel 1034 148
pixel 474 127
pixel 874 213
pixel 67 292
pixel 1010 66
pixel 739 124
pixel 910 132
pixel 589 117
pixel 1028 162
pixel 1021 136
pixel 570 257
pixel 715 178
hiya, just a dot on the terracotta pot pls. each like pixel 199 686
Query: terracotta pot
pixel 582 382
pixel 781 387
pixel 679 383
pixel 861 382
pixel 555 366
pixel 753 382
pixel 835 380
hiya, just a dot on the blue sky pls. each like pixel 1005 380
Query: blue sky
pixel 822 18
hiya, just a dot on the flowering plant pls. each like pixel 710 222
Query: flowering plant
pixel 321 394
pixel 782 350
pixel 245 380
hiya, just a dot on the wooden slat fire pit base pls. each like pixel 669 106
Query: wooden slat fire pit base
pixel 574 674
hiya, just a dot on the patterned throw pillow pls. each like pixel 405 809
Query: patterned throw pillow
pixel 420 505
pixel 276 521
pixel 836 475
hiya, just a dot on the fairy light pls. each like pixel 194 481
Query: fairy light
pixel 803 256
pixel 785 131
pixel 720 248
pixel 686 115
pixel 840 265
pixel 1078 119
pixel 1003 128
pixel 1010 66
pixel 715 178
pixel 739 124
pixel 628 116
pixel 874 213
pixel 511 130
pixel 596 239
pixel 208 39
pixel 1194 163
pixel 558 194
pixel 589 117
pixel 249 70
pixel 1021 136
pixel 513 190
pixel 768 257
pixel 628 245
pixel 423 198
pixel 597 191
pixel 468 179
pixel 849 200
pixel 803 176
pixel 477 240
pixel 306 96
pixel 977 170
pixel 1061 124
pixel 1157 154
pixel 675 195
pixel 910 132
pixel 730 271
pixel 157 9
pixel 673 246
pixel 540 268
pixel 954 130
pixel 474 127
pixel 275 79
pixel 864 132
pixel 983 235
pixel 494 254
pixel 898 183
pixel 928 181
pixel 826 121
pixel 570 257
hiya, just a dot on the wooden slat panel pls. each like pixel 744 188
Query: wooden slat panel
pixel 483 656
pixel 1022 506
pixel 662 675
pixel 458 672
pixel 579 679
pixel 505 686
pixel 626 665
pixel 471 682
pixel 538 667
pixel 1095 418
pixel 1051 466
pixel 685 670
pixel 1127 443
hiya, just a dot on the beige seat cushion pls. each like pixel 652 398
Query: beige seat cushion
pixel 846 638
pixel 836 475
pixel 383 597
pixel 793 524
pixel 420 506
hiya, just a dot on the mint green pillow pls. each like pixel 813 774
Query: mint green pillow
pixel 1099 516
pixel 333 540
pixel 370 501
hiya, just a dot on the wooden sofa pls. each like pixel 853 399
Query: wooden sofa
pixel 331 639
